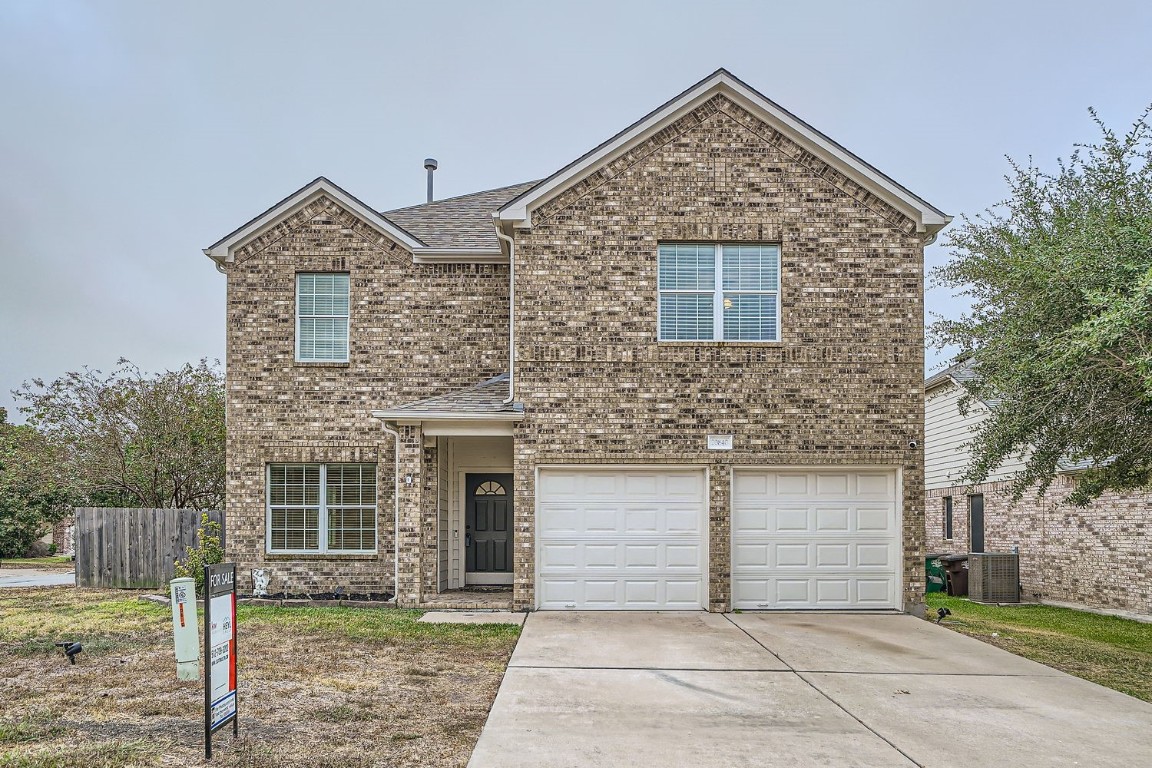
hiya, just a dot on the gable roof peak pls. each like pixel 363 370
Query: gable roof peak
pixel 928 218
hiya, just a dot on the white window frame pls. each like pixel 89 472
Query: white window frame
pixel 347 322
pixel 322 514
pixel 718 292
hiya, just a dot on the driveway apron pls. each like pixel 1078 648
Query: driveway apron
pixel 703 690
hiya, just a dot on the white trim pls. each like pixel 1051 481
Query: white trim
pixel 416 417
pixel 718 293
pixel 347 322
pixel 459 256
pixel 706 531
pixel 321 511
pixel 898 472
pixel 928 219
pixel 225 250
pixel 469 429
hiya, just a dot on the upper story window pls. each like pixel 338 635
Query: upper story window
pixel 322 317
pixel 711 292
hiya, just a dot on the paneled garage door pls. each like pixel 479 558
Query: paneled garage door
pixel 612 539
pixel 818 538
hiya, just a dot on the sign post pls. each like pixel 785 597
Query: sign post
pixel 219 651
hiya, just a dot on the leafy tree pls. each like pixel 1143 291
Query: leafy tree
pixel 137 440
pixel 1060 326
pixel 208 551
pixel 34 490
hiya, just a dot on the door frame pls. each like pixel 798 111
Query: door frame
pixel 897 470
pixel 706 517
pixel 461 515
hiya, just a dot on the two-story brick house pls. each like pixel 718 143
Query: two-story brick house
pixel 714 398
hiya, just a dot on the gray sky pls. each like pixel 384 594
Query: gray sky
pixel 136 133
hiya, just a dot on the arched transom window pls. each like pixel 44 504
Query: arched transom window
pixel 491 488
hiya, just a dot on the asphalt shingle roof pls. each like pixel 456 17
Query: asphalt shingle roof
pixel 485 397
pixel 963 371
pixel 457 222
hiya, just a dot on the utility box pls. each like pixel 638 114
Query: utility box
pixel 994 577
pixel 185 628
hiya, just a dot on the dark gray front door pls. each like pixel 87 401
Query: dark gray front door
pixel 488 526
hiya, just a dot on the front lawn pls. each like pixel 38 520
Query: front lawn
pixel 319 687
pixel 1108 650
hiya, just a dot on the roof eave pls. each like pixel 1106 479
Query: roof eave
pixel 417 416
pixel 224 250
pixel 459 256
pixel 928 218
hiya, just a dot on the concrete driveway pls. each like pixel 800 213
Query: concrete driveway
pixel 704 690
pixel 35 577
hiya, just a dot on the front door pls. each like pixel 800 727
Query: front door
pixel 488 529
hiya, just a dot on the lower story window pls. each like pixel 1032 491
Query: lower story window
pixel 319 508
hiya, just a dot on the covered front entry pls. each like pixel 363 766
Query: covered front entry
pixel 621 538
pixel 821 537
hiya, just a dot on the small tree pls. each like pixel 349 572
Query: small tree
pixel 1060 329
pixel 35 492
pixel 208 551
pixel 132 439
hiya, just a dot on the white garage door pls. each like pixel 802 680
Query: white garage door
pixel 611 539
pixel 820 538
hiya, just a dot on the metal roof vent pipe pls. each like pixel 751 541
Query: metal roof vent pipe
pixel 430 165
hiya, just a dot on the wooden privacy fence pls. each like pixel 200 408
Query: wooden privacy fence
pixel 134 548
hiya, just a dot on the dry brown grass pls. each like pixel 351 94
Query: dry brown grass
pixel 319 687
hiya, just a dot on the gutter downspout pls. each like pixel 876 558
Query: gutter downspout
pixel 396 513
pixel 511 312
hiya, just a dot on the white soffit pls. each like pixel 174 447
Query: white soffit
pixel 929 218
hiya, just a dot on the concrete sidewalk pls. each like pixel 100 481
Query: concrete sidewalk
pixel 35 577
pixel 704 690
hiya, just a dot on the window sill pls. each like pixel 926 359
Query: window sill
pixel 680 343
pixel 322 363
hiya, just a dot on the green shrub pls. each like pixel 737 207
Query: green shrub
pixel 208 552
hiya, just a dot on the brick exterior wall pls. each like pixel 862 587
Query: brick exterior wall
pixel 1095 556
pixel 843 386
pixel 415 331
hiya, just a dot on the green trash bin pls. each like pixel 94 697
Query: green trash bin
pixel 935 572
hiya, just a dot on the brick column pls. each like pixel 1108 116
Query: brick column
pixel 409 536
pixel 719 538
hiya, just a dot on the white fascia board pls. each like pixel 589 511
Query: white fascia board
pixel 928 218
pixel 225 250
pixel 468 428
pixel 459 256
pixel 417 417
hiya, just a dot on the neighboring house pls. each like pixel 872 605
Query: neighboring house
pixel 714 398
pixel 1095 555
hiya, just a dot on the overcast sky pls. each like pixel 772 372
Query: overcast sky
pixel 136 133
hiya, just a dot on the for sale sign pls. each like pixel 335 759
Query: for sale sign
pixel 219 650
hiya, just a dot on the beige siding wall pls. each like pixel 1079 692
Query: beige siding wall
pixel 947 435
